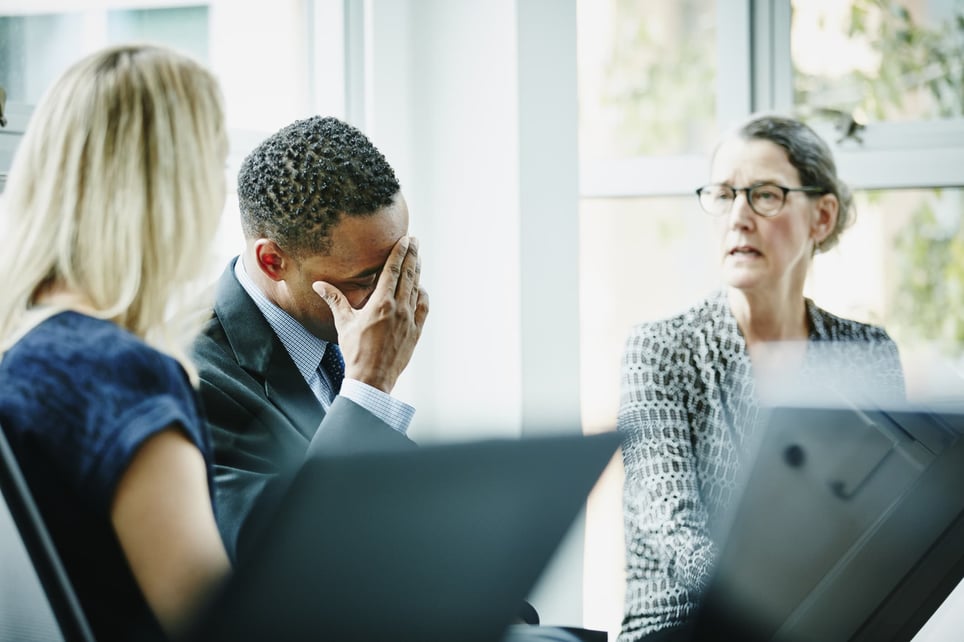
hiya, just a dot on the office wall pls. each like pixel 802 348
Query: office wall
pixel 475 105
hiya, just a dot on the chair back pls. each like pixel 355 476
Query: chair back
pixel 38 601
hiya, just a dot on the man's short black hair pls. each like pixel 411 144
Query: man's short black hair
pixel 301 180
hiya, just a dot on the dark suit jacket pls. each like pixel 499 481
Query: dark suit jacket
pixel 263 417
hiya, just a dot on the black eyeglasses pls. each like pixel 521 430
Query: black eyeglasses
pixel 765 199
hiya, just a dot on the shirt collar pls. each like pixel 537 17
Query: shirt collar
pixel 305 348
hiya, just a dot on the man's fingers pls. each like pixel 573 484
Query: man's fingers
pixel 421 308
pixel 413 297
pixel 388 279
pixel 407 290
pixel 416 288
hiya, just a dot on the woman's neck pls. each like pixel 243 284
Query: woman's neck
pixel 58 296
pixel 775 330
pixel 768 317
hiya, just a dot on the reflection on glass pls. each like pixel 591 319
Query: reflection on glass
pixel 647 77
pixel 879 60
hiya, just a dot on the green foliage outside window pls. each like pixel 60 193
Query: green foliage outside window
pixel 929 301
pixel 660 78
pixel 920 76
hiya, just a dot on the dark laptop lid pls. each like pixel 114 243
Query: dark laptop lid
pixel 850 527
pixel 436 543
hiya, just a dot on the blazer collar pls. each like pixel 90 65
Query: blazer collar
pixel 249 334
pixel 258 350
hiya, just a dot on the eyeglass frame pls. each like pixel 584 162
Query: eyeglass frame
pixel 807 189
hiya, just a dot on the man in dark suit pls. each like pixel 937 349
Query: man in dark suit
pixel 313 322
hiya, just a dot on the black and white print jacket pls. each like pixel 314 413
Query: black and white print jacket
pixel 688 405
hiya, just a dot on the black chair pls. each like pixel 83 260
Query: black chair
pixel 39 547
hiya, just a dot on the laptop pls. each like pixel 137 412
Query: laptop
pixel 437 543
pixel 850 527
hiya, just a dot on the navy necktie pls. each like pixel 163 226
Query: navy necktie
pixel 334 366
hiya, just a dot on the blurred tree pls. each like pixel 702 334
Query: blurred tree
pixel 920 73
pixel 929 297
pixel 920 76
pixel 660 79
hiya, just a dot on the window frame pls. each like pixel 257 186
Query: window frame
pixel 755 74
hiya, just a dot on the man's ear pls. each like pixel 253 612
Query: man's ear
pixel 825 218
pixel 271 259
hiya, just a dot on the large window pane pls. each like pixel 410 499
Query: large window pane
pixel 647 77
pixel 264 87
pixel 640 258
pixel 880 60
pixel 185 28
pixel 901 265
pixel 35 49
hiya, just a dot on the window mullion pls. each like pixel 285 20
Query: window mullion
pixel 734 86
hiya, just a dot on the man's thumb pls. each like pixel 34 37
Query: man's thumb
pixel 331 295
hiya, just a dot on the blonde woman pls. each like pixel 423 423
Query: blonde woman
pixel 113 197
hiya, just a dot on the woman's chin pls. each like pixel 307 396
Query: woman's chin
pixel 742 278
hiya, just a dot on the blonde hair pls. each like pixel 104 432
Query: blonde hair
pixel 115 193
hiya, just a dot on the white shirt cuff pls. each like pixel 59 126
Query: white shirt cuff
pixel 393 412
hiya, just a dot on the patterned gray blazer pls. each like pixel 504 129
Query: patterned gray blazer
pixel 688 403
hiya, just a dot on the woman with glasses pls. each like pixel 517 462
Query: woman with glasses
pixel 690 383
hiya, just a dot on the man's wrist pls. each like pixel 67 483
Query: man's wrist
pixel 397 414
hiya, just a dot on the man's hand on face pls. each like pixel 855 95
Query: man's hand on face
pixel 378 339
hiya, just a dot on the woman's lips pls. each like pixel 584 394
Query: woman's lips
pixel 744 250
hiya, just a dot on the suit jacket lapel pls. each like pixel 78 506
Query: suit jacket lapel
pixel 260 352
pixel 287 390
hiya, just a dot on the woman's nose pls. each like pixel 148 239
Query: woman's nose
pixel 741 214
